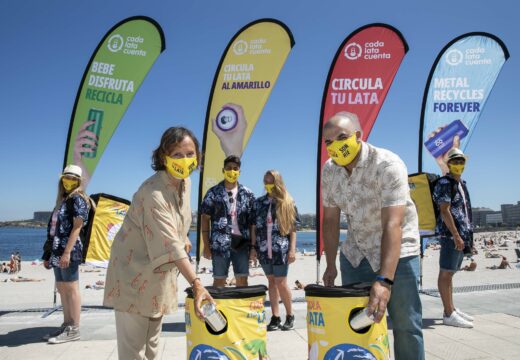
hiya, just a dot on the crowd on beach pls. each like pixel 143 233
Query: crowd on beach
pixel 14 266
pixel 240 230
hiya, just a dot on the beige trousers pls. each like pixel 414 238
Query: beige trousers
pixel 137 336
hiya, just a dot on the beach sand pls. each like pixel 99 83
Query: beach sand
pixel 37 295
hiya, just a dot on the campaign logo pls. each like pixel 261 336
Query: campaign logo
pixel 240 47
pixel 353 51
pixel 454 57
pixel 207 352
pixel 115 43
pixel 348 352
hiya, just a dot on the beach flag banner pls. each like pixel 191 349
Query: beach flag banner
pixel 245 335
pixel 103 227
pixel 456 92
pixel 359 78
pixel 243 81
pixel 421 194
pixel 329 333
pixel 113 75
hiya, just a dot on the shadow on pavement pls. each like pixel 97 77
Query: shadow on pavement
pixel 173 327
pixel 426 323
pixel 25 336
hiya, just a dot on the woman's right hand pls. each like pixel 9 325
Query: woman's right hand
pixel 206 253
pixel 200 294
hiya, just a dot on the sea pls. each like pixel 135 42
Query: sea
pixel 29 242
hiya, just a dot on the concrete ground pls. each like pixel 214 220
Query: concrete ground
pixel 496 334
pixel 491 296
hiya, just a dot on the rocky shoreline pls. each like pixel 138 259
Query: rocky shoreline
pixel 23 224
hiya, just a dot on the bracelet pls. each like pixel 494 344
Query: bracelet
pixel 385 280
pixel 193 282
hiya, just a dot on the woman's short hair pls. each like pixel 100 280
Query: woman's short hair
pixel 171 138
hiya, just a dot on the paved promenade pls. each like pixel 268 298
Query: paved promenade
pixel 491 296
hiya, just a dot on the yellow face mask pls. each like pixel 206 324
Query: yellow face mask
pixel 231 175
pixel 269 188
pixel 69 184
pixel 456 169
pixel 180 168
pixel 343 152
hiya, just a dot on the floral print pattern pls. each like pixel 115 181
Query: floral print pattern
pixel 64 225
pixel 280 243
pixel 442 193
pixel 379 180
pixel 216 205
pixel 141 275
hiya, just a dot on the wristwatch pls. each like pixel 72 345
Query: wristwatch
pixel 384 280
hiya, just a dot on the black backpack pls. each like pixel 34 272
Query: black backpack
pixel 84 234
pixel 433 179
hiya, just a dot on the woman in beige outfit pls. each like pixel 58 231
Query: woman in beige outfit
pixel 152 247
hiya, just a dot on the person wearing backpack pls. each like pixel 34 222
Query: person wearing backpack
pixel 454 228
pixel 63 250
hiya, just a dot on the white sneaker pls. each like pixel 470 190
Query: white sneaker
pixel 464 315
pixel 456 320
pixel 71 333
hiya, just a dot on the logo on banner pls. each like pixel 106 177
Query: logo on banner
pixel 454 57
pixel 115 43
pixel 240 47
pixel 353 51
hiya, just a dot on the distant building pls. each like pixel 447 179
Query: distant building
pixel 42 216
pixel 511 214
pixel 494 219
pixel 479 216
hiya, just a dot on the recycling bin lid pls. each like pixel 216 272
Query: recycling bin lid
pixel 354 290
pixel 240 292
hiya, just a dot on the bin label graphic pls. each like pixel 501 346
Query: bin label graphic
pixel 245 335
pixel 330 336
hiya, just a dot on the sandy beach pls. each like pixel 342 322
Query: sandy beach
pixel 35 295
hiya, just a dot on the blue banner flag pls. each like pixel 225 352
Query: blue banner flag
pixel 458 87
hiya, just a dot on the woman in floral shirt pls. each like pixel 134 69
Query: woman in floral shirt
pixel 274 240
pixel 152 248
pixel 63 250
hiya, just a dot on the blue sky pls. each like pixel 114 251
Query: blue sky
pixel 46 46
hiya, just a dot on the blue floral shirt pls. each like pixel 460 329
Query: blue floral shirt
pixel 280 243
pixel 80 208
pixel 216 205
pixel 442 193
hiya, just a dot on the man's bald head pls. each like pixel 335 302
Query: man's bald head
pixel 345 120
pixel 341 123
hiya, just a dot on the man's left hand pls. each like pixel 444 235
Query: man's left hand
pixel 379 297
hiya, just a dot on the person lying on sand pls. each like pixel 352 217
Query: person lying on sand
pixel 23 279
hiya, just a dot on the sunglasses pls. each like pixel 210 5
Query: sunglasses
pixel 230 195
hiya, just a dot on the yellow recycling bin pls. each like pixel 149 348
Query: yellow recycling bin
pixel 330 336
pixel 243 338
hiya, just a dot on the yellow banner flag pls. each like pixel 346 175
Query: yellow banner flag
pixel 106 222
pixel 422 197
pixel 243 82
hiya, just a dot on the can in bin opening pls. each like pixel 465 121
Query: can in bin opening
pixel 361 320
pixel 227 119
pixel 97 115
pixel 213 317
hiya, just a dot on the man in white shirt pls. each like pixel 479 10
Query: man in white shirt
pixel 370 185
